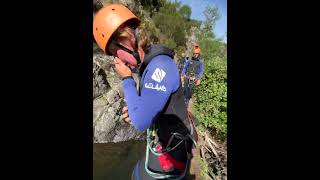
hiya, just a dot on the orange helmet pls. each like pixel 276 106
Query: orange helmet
pixel 108 20
pixel 197 50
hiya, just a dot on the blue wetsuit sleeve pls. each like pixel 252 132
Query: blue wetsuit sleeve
pixel 201 71
pixel 160 79
pixel 184 68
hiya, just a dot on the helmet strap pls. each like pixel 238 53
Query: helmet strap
pixel 135 52
pixel 135 49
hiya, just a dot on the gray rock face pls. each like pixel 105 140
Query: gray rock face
pixel 97 4
pixel 108 101
pixel 100 85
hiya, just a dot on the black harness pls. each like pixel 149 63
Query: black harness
pixel 173 129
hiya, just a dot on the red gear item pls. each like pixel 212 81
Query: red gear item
pixel 167 163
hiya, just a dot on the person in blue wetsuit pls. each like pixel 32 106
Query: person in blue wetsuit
pixel 158 105
pixel 182 62
pixel 192 73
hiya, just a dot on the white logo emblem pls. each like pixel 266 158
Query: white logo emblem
pixel 157 87
pixel 158 75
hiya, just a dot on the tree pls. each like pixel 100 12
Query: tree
pixel 172 24
pixel 211 95
pixel 212 15
pixel 185 11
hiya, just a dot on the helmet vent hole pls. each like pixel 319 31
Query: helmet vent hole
pixel 113 9
pixel 96 29
pixel 103 35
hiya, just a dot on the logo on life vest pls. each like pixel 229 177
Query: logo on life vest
pixel 158 75
pixel 157 87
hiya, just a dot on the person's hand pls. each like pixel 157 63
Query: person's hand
pixel 125 115
pixel 121 68
pixel 198 82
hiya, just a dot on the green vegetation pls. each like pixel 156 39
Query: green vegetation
pixel 211 95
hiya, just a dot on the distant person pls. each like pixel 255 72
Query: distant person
pixel 182 61
pixel 192 73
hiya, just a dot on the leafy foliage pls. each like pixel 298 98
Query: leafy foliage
pixel 211 95
pixel 172 24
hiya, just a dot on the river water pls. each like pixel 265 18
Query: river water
pixel 116 160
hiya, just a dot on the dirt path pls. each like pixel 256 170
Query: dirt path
pixel 194 167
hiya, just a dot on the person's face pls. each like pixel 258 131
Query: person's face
pixel 126 57
pixel 196 55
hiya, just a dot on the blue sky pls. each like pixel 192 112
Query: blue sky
pixel 198 6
